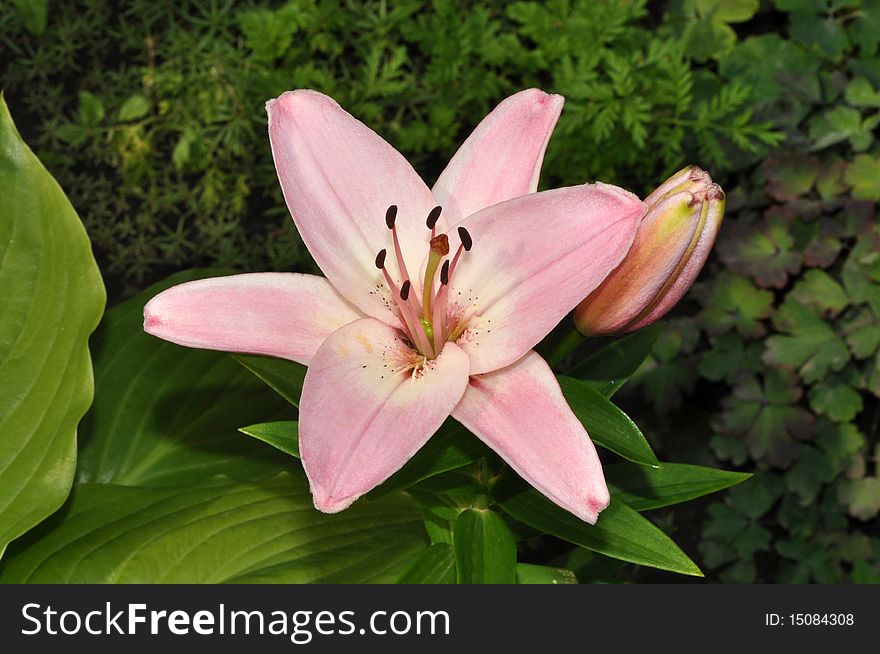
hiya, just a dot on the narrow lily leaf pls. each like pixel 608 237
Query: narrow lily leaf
pixel 620 533
pixel 284 377
pixel 436 565
pixel 218 531
pixel 527 573
pixel 282 435
pixel 450 448
pixel 167 415
pixel 51 298
pixel 643 488
pixel 485 551
pixel 612 366
pixel 607 425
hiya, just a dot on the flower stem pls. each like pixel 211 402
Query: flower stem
pixel 563 346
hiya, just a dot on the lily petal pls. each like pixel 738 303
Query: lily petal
pixel 520 413
pixel 533 259
pixel 339 177
pixel 362 417
pixel 502 158
pixel 285 315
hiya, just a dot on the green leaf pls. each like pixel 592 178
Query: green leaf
pixel 819 290
pixel 91 109
pixel 807 343
pixel 810 472
pixel 620 532
pixel 167 415
pixel 766 417
pixel 137 106
pixel 436 565
pixel 284 377
pixel 822 34
pixel 526 573
pixel 862 175
pixel 219 531
pixel 861 93
pixel 607 425
pixel 836 398
pixel 643 488
pixel 34 13
pixel 52 298
pixel 861 497
pixel 609 368
pixel 450 448
pixel 283 435
pixel 731 302
pixel 485 552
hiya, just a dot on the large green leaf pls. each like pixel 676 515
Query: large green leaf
pixel 450 448
pixel 643 488
pixel 607 425
pixel 168 415
pixel 436 565
pixel 217 531
pixel 610 368
pixel 485 552
pixel 51 298
pixel 284 377
pixel 526 573
pixel 620 532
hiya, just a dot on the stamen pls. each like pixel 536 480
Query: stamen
pixel 466 241
pixel 444 273
pixel 380 259
pixel 391 216
pixel 404 290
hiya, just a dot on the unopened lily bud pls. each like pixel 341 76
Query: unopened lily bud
pixel 671 245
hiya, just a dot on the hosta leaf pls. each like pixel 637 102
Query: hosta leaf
pixel 436 565
pixel 643 488
pixel 485 552
pixel 51 299
pixel 218 531
pixel 168 415
pixel 620 532
pixel 607 425
pixel 609 368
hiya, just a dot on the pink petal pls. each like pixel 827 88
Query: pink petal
pixel 285 315
pixel 502 158
pixel 533 259
pixel 362 417
pixel 339 178
pixel 521 414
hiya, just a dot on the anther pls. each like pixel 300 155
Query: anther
pixel 380 259
pixel 433 217
pixel 404 290
pixel 466 241
pixel 391 216
pixel 444 272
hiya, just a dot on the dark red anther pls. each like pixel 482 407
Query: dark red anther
pixel 404 290
pixel 380 259
pixel 444 272
pixel 391 216
pixel 466 241
pixel 433 217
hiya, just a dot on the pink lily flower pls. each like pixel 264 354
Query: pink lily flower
pixel 432 301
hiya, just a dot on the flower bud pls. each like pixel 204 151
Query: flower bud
pixel 671 245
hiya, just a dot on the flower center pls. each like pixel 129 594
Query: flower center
pixel 426 323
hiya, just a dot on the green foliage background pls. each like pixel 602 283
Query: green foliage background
pixel 154 125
